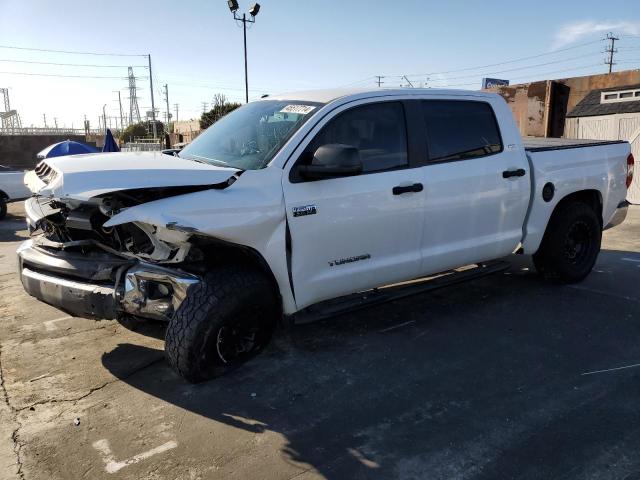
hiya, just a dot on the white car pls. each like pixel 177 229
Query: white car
pixel 302 205
pixel 12 187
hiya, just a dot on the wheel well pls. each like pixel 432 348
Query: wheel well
pixel 593 198
pixel 209 253
pixel 3 195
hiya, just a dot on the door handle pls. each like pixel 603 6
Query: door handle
pixel 514 173
pixel 399 190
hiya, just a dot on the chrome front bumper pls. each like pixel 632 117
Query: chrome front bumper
pixel 102 285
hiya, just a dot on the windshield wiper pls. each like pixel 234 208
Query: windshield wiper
pixel 205 160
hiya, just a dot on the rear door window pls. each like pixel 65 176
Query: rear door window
pixel 460 130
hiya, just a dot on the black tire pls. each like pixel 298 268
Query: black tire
pixel 225 320
pixel 3 208
pixel 570 245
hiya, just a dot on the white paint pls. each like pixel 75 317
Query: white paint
pixel 612 369
pixel 50 325
pixel 113 466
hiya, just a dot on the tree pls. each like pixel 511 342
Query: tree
pixel 220 108
pixel 142 129
pixel 133 130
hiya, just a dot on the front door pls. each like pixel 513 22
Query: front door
pixel 354 233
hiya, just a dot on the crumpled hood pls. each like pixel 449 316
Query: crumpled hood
pixel 81 177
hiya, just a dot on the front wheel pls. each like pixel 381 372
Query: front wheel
pixel 225 320
pixel 571 244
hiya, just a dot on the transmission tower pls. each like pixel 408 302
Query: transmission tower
pixel 134 111
pixel 10 118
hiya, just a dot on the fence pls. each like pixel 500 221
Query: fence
pixel 49 131
pixel 141 147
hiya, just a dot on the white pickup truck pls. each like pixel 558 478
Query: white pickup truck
pixel 303 205
pixel 12 187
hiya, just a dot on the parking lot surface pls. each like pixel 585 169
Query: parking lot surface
pixel 504 377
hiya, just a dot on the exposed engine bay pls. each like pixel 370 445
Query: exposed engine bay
pixel 76 260
pixel 76 224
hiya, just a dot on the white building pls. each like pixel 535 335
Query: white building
pixel 610 114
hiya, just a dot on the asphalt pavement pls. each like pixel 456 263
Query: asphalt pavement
pixel 503 377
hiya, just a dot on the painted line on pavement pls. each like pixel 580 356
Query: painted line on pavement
pixel 397 326
pixel 113 466
pixel 612 369
pixel 50 325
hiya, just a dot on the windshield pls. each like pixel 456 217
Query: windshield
pixel 250 136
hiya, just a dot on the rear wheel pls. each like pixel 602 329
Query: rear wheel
pixel 571 244
pixel 3 208
pixel 225 320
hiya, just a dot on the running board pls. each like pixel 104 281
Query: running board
pixel 357 301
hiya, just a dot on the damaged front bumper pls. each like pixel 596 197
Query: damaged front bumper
pixel 102 285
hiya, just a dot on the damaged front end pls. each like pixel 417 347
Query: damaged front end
pixel 77 262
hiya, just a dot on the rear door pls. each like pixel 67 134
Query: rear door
pixel 476 183
pixel 353 233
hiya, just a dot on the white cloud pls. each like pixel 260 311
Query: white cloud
pixel 573 32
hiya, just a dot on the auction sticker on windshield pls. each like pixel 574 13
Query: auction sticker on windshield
pixel 299 109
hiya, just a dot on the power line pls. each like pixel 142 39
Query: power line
pixel 526 76
pixel 72 52
pixel 70 64
pixel 480 67
pixel 492 72
pixel 59 75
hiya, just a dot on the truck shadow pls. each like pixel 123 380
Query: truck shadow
pixel 439 384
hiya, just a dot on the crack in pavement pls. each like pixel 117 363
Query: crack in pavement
pixel 91 390
pixel 15 435
pixel 17 445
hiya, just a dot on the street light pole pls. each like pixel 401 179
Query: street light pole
pixel 253 11
pixel 246 70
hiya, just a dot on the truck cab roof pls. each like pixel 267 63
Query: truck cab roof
pixel 330 95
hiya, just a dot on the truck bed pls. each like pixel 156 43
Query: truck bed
pixel 540 144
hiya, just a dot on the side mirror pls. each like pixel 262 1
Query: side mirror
pixel 333 160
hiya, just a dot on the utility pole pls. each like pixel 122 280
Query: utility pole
pixel 611 50
pixel 55 122
pixel 121 112
pixel 44 115
pixel 176 107
pixel 104 117
pixel 204 107
pixel 166 98
pixel 379 80
pixel 153 105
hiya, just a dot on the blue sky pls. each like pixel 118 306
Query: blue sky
pixel 196 48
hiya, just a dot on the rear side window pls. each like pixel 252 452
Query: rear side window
pixel 459 130
pixel 377 130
